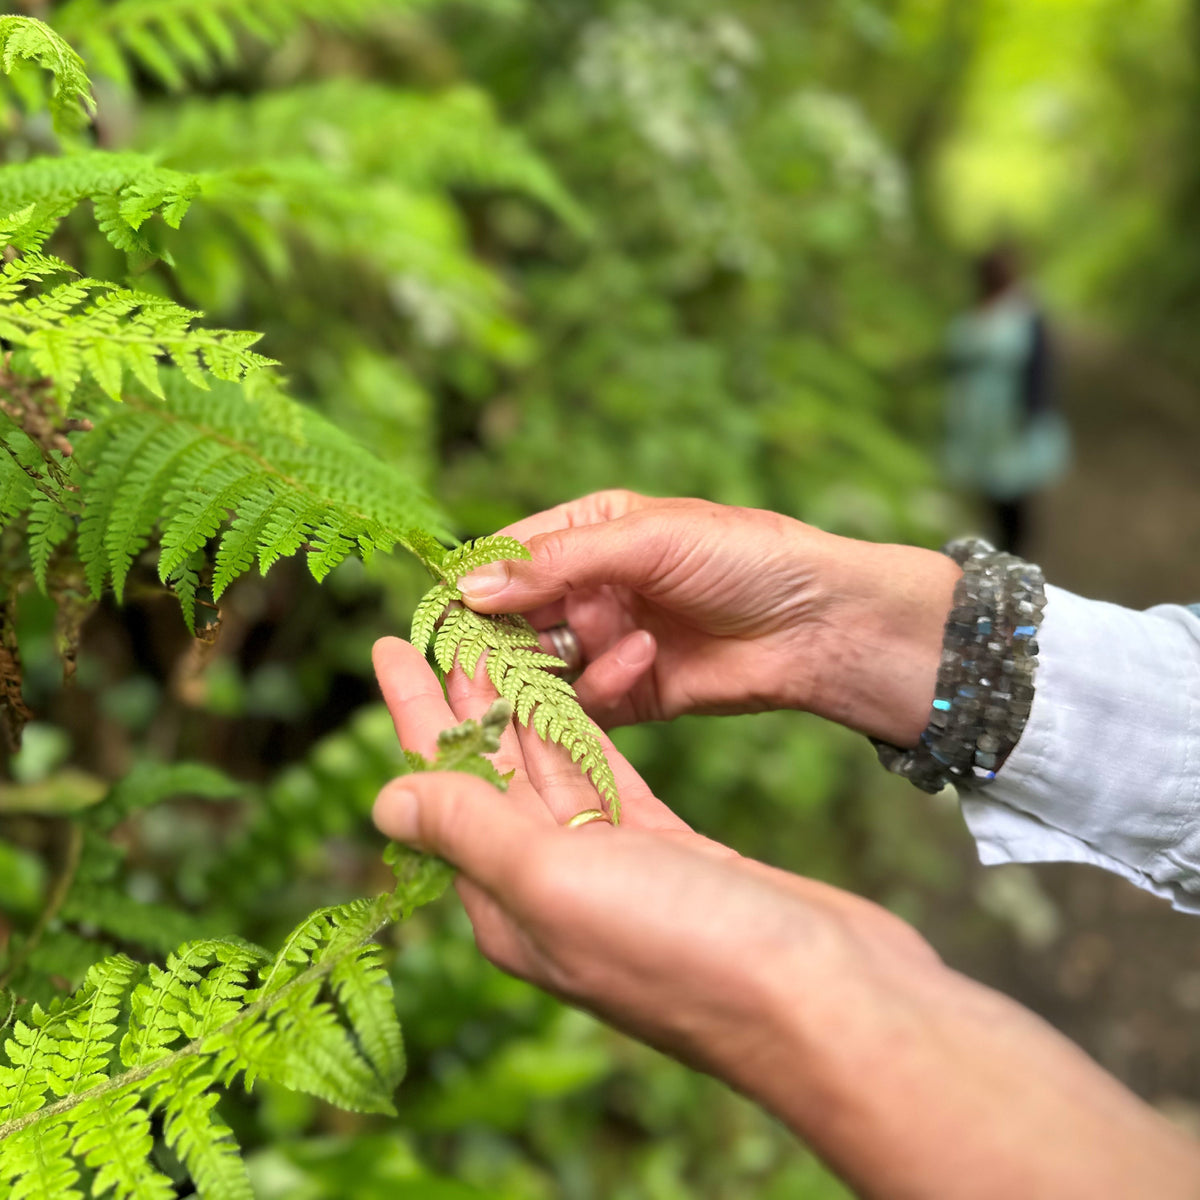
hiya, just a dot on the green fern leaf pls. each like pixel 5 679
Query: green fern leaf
pixel 150 783
pixel 106 328
pixel 520 671
pixel 204 1143
pixel 193 38
pixel 49 526
pixel 38 1161
pixel 71 91
pixel 278 477
pixel 471 555
pixel 429 612
pixel 112 1136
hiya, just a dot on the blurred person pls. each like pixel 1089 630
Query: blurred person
pixel 1005 438
pixel 911 1080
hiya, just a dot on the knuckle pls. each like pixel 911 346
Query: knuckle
pixel 614 502
pixel 552 553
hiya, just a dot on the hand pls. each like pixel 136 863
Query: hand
pixel 912 1081
pixel 667 934
pixel 682 606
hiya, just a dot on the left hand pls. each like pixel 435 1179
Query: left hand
pixel 912 1081
pixel 663 932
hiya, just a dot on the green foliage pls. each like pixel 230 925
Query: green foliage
pixel 23 38
pixel 196 38
pixel 719 301
pixel 317 1017
pixel 112 332
pixel 519 669
pixel 288 478
pixel 82 1077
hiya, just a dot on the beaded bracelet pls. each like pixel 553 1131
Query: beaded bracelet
pixel 985 677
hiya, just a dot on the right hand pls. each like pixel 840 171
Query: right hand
pixel 683 606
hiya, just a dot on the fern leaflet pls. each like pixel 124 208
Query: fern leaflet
pixel 25 38
pixel 519 669
pixel 196 37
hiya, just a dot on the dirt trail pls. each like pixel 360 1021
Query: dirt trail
pixel 1123 975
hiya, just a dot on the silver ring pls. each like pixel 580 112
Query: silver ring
pixel 565 645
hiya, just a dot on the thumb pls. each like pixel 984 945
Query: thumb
pixel 628 551
pixel 459 818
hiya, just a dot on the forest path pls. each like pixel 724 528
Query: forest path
pixel 1123 976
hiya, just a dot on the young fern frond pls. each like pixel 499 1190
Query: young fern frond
pixel 519 669
pixel 27 39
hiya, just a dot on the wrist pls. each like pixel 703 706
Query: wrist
pixel 881 641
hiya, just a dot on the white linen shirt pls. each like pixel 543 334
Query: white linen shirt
pixel 1107 771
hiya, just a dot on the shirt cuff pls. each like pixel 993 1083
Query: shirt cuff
pixel 1107 771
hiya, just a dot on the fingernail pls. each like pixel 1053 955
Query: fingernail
pixel 484 581
pixel 396 812
pixel 636 649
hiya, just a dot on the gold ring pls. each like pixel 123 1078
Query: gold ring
pixel 587 817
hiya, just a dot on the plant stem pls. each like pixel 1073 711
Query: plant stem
pixel 57 896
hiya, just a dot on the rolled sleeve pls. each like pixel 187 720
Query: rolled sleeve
pixel 1107 771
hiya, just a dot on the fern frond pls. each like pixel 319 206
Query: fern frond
pixel 111 1134
pixel 113 332
pixel 471 555
pixel 196 38
pixel 49 526
pixel 264 476
pixel 429 612
pixel 203 1142
pixel 316 1017
pixel 452 138
pixel 28 39
pixel 125 189
pixel 520 671
pixel 150 783
pixel 38 1161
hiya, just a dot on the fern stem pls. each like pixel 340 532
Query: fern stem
pixel 136 1074
pixel 36 476
pixel 61 888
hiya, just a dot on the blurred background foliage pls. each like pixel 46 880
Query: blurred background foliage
pixel 525 250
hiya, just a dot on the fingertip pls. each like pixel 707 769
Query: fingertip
pixel 396 811
pixel 485 583
pixel 388 648
pixel 457 817
pixel 636 650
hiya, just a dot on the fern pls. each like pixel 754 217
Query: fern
pixel 196 38
pixel 112 332
pixel 73 1102
pixel 81 1079
pixel 124 189
pixel 450 138
pixel 24 38
pixel 519 669
pixel 289 479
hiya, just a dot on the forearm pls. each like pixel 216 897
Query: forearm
pixel 877 656
pixel 928 1086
